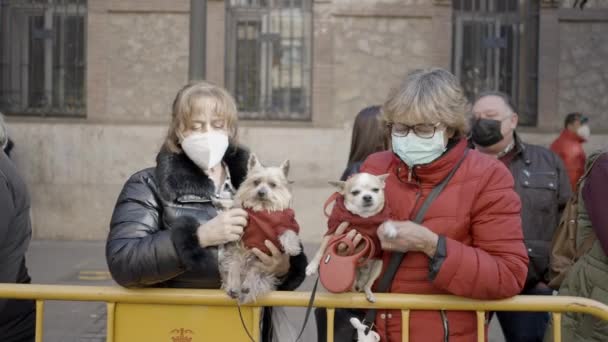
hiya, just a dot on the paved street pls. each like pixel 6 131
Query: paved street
pixel 83 263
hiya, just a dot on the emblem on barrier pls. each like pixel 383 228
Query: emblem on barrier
pixel 181 335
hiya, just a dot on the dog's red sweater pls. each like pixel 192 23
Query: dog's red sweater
pixel 367 226
pixel 268 225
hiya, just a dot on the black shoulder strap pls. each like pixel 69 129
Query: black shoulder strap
pixel 396 257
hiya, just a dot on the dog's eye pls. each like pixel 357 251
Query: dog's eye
pixel 272 184
pixel 355 193
pixel 257 182
pixel 375 189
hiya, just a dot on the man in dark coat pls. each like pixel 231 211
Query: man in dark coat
pixel 17 317
pixel 542 183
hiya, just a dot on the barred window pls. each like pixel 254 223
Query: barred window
pixel 268 49
pixel 42 57
pixel 496 48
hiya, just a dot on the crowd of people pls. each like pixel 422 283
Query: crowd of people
pixel 487 235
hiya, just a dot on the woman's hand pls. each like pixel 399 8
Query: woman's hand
pixel 352 235
pixel 405 236
pixel 276 263
pixel 226 227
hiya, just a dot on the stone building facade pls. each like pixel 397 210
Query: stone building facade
pixel 137 55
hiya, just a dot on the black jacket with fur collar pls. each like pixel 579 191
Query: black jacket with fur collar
pixel 152 239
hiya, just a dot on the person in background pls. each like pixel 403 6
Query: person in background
pixel 369 136
pixel 569 145
pixel 165 230
pixel 6 143
pixel 588 277
pixel 544 188
pixel 17 317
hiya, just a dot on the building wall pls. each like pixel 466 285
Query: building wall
pixel 137 59
pixel 583 70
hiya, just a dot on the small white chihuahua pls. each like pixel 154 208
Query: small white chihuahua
pixel 361 203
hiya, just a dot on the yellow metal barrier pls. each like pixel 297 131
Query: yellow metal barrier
pixel 191 308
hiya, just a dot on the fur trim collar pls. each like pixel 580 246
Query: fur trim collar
pixel 178 176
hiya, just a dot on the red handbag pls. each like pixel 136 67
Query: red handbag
pixel 338 272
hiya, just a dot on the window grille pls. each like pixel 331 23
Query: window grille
pixel 268 67
pixel 42 57
pixel 495 45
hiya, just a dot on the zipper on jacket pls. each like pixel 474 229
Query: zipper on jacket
pixel 446 328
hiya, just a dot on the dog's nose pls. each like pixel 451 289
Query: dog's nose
pixel 262 193
pixel 367 198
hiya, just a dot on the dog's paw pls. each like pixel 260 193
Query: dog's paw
pixel 293 250
pixel 312 269
pixel 370 296
pixel 233 293
pixel 390 230
pixel 291 243
pixel 246 297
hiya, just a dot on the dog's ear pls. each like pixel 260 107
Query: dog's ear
pixel 285 168
pixel 383 177
pixel 253 162
pixel 338 184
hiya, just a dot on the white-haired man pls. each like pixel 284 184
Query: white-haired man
pixel 543 186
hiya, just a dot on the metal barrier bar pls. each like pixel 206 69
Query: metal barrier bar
pixel 330 324
pixel 481 326
pixel 405 325
pixel 300 299
pixel 557 326
pixel 39 319
pixel 403 302
pixel 110 322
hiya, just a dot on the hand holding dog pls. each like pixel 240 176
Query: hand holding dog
pixel 352 235
pixel 276 263
pixel 226 227
pixel 407 236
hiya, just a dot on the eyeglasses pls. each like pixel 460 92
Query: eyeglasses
pixel 424 131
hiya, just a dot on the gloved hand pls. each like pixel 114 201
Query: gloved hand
pixel 225 227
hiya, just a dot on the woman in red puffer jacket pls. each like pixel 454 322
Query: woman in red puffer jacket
pixel 470 243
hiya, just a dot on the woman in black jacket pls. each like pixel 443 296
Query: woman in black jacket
pixel 165 230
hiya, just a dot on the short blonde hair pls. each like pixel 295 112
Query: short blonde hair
pixel 215 100
pixel 428 96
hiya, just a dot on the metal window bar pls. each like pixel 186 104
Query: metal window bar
pixel 268 70
pixel 406 303
pixel 495 46
pixel 42 57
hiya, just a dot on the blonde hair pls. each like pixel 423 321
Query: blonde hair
pixel 216 100
pixel 428 96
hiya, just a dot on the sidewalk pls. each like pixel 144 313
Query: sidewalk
pixel 83 263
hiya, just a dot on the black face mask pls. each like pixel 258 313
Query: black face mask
pixel 486 132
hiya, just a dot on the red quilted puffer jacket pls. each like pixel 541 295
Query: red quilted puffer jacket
pixel 478 212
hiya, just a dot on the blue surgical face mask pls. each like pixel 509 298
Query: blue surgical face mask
pixel 414 150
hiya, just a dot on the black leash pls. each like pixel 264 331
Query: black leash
pixel 238 305
pixel 309 307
